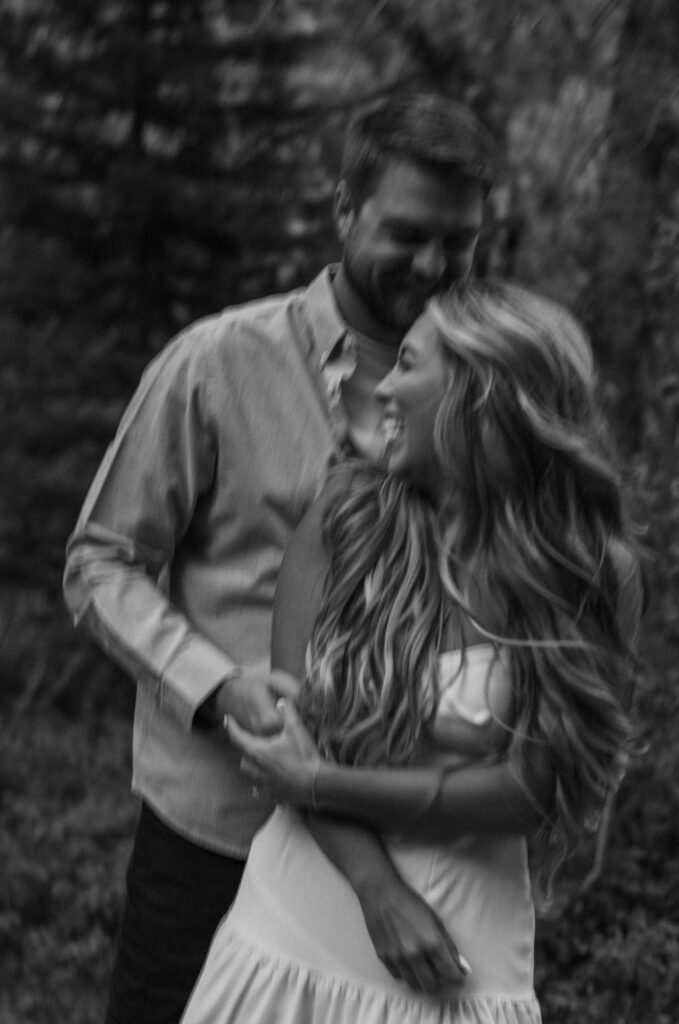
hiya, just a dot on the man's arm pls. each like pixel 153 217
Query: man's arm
pixel 139 506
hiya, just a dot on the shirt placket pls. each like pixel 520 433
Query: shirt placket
pixel 337 366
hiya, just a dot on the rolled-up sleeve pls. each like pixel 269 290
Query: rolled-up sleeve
pixel 140 505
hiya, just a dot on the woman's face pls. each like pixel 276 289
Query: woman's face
pixel 410 396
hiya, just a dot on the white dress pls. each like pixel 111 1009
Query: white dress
pixel 294 948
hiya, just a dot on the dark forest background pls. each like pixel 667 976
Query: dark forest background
pixel 160 160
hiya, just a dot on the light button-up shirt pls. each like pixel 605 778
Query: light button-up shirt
pixel 220 452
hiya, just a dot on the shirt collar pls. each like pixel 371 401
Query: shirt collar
pixel 328 329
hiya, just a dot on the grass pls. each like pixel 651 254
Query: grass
pixel 66 819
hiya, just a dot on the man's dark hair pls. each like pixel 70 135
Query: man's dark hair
pixel 423 127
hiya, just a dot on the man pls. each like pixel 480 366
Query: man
pixel 173 562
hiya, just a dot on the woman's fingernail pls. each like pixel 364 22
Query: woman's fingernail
pixel 280 703
pixel 465 966
pixel 225 724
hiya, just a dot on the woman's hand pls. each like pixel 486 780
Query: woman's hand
pixel 286 763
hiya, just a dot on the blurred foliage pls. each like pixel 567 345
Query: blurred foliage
pixel 63 846
pixel 161 160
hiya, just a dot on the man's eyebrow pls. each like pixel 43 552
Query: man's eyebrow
pixel 463 233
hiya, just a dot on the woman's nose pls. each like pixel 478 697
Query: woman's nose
pixel 383 389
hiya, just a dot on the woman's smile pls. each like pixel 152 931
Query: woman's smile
pixel 392 427
pixel 411 396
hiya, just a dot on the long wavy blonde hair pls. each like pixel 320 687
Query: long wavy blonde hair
pixel 534 516
pixel 371 683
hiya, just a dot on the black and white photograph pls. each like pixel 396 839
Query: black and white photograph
pixel 339 512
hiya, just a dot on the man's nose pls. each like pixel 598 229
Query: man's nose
pixel 430 260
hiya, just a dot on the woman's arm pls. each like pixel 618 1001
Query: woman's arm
pixel 435 805
pixel 406 933
pixel 432 803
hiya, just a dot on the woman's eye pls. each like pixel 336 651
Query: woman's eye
pixel 460 244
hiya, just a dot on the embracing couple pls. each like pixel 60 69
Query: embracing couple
pixel 363 548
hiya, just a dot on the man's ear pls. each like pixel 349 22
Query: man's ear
pixel 344 210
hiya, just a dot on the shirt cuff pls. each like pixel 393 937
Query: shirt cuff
pixel 196 672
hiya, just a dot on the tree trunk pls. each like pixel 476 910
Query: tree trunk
pixel 616 307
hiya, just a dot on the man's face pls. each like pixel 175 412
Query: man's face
pixel 415 236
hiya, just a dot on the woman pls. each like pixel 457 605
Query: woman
pixel 465 620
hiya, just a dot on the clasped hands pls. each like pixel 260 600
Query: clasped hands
pixel 285 762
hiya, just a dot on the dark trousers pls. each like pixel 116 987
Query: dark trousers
pixel 177 893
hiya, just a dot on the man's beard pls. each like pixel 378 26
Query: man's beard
pixel 401 302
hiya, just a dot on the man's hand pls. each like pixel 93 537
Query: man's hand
pixel 251 697
pixel 408 937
